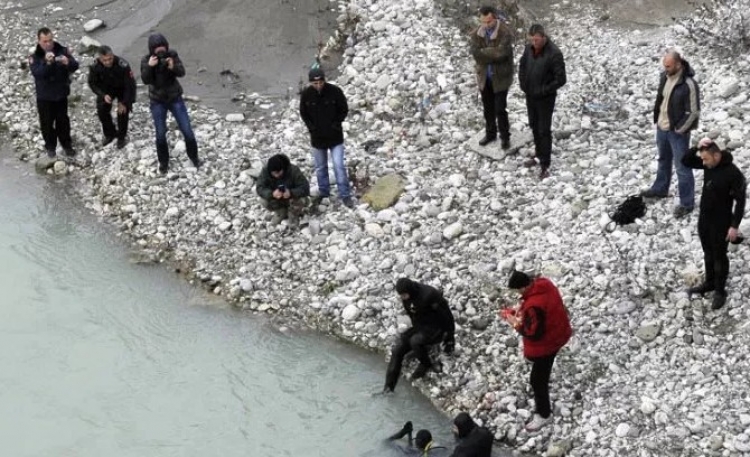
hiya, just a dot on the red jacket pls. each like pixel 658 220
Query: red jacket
pixel 544 320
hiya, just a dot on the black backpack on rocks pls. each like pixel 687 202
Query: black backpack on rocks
pixel 628 211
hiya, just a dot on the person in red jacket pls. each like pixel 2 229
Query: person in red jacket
pixel 543 322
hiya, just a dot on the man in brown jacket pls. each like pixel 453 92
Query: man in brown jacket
pixel 492 48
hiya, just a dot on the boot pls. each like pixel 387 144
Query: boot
pixel 420 372
pixel 700 290
pixel 487 140
pixel 720 299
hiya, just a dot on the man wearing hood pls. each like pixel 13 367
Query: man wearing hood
pixel 283 189
pixel 676 113
pixel 543 322
pixel 432 322
pixel 160 69
pixel 724 188
pixel 52 64
pixel 473 440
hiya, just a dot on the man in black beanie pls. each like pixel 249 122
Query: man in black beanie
pixel 432 322
pixel 283 189
pixel 543 322
pixel 323 108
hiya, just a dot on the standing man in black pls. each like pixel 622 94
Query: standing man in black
pixel 52 64
pixel 492 48
pixel 724 188
pixel 111 78
pixel 432 322
pixel 541 73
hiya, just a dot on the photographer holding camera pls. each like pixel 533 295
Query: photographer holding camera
pixel 52 64
pixel 283 189
pixel 160 69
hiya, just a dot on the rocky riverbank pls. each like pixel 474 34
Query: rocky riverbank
pixel 648 372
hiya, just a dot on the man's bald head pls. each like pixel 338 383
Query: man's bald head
pixel 672 62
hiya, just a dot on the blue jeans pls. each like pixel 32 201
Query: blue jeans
pixel 339 169
pixel 179 111
pixel 672 147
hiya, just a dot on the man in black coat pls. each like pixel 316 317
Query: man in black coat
pixel 323 108
pixel 541 72
pixel 432 322
pixel 724 188
pixel 474 441
pixel 111 78
pixel 160 69
pixel 52 64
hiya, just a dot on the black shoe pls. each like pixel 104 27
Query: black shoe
pixel 163 168
pixel 700 290
pixel 121 142
pixel 348 202
pixel 198 164
pixel 544 173
pixel 650 193
pixel 505 144
pixel 70 152
pixel 420 372
pixel 316 201
pixel 487 140
pixel 51 153
pixel 719 300
pixel 681 211
pixel 107 140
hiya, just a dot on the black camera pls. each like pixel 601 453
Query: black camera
pixel 162 56
pixel 281 187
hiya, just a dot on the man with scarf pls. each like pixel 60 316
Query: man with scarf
pixel 432 322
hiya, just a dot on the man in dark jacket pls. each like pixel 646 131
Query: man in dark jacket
pixel 473 441
pixel 323 108
pixel 543 322
pixel 724 187
pixel 676 113
pixel 492 48
pixel 283 189
pixel 160 69
pixel 111 78
pixel 432 322
pixel 52 64
pixel 541 73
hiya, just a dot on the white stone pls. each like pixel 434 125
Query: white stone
pixel 92 25
pixel 172 212
pixel 350 312
pixel 453 230
pixel 622 430
pixel 235 117
pixel 374 230
pixel 457 180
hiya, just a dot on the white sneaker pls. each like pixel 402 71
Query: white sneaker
pixel 537 422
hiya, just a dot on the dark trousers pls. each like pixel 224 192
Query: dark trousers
pixel 413 339
pixel 540 120
pixel 540 373
pixel 104 112
pixel 495 105
pixel 714 244
pixel 55 123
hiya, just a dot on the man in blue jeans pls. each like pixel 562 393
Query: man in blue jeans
pixel 323 108
pixel 160 69
pixel 676 113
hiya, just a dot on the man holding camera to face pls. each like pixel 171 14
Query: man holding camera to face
pixel 160 69
pixel 283 189
pixel 52 64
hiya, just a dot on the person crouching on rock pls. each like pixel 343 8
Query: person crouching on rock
pixel 283 189
pixel 432 322
pixel 473 440
pixel 543 322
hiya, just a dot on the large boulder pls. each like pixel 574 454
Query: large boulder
pixel 45 163
pixel 385 192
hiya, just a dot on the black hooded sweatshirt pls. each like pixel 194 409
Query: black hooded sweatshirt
pixel 293 179
pixel 474 441
pixel 723 186
pixel 163 86
pixel 427 307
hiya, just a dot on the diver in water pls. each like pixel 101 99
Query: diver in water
pixel 422 445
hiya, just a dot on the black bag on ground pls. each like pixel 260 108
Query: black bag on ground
pixel 628 211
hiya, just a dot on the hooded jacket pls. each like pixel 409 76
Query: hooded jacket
pixel 52 80
pixel 323 112
pixel 684 105
pixel 724 187
pixel 163 86
pixel 495 52
pixel 116 81
pixel 474 441
pixel 545 325
pixel 542 75
pixel 293 179
pixel 427 307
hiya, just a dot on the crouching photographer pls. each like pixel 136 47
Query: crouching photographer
pixel 283 189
